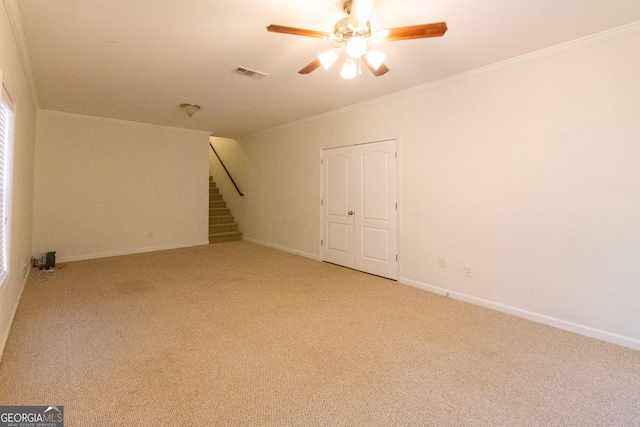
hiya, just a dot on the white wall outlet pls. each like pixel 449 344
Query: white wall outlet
pixel 442 262
pixel 467 271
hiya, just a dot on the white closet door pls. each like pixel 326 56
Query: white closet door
pixel 359 207
pixel 375 209
pixel 339 174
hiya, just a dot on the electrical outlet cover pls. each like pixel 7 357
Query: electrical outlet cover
pixel 467 271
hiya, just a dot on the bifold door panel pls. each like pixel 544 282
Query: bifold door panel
pixel 359 207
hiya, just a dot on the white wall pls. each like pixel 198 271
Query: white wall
pixel 105 187
pixel 527 171
pixel 13 78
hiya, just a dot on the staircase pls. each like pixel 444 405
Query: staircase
pixel 221 225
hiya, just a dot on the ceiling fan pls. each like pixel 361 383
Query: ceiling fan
pixel 352 34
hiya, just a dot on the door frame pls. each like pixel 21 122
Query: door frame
pixel 398 197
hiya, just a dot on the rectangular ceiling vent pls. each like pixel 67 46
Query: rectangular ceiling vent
pixel 248 72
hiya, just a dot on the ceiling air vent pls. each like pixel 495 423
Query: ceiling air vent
pixel 256 75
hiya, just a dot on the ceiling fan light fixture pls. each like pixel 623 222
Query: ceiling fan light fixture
pixel 353 34
pixel 349 70
pixel 356 46
pixel 375 58
pixel 328 58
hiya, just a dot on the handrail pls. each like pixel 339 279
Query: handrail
pixel 225 169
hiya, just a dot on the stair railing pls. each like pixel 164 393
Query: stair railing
pixel 225 169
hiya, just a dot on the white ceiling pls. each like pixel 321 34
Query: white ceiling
pixel 138 60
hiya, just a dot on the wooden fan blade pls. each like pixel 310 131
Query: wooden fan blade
pixel 312 66
pixel 359 12
pixel 298 31
pixel 382 69
pixel 413 32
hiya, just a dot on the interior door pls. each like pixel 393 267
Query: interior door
pixel 359 207
pixel 338 239
pixel 375 209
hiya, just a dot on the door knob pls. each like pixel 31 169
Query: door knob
pixel 350 213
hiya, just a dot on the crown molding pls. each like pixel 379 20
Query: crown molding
pixel 77 116
pixel 559 49
pixel 527 58
pixel 18 33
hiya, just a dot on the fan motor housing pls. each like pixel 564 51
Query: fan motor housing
pixel 343 30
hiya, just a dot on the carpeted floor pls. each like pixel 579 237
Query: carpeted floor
pixel 237 334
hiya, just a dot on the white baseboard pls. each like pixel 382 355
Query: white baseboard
pixel 282 248
pixel 14 310
pixel 129 252
pixel 529 315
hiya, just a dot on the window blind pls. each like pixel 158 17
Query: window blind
pixel 6 125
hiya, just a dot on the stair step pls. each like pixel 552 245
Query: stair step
pixel 229 236
pixel 219 211
pixel 220 219
pixel 222 228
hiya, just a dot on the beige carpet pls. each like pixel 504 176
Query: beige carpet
pixel 236 334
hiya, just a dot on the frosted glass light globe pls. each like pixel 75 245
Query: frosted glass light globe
pixel 348 69
pixel 356 47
